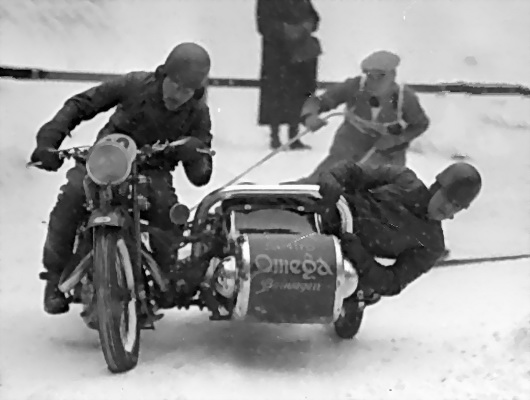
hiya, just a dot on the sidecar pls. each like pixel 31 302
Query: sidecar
pixel 269 258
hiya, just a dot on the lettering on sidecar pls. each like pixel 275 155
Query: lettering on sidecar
pixel 307 267
pixel 269 284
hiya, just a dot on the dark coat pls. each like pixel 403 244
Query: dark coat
pixel 389 206
pixel 140 113
pixel 284 84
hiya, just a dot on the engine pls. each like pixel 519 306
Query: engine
pixel 283 278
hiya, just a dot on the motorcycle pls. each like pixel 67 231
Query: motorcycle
pixel 253 253
pixel 112 272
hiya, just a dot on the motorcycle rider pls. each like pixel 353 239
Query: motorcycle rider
pixel 395 216
pixel 164 105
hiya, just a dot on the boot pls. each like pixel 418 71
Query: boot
pixel 275 138
pixel 296 145
pixel 56 256
pixel 368 296
pixel 65 218
pixel 55 301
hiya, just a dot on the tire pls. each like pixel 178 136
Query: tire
pixel 116 305
pixel 348 324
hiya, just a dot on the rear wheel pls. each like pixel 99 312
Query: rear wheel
pixel 116 304
pixel 349 322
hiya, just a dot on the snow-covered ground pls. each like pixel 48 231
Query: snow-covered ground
pixel 457 333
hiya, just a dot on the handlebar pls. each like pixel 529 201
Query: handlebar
pixel 80 153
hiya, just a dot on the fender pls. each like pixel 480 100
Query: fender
pixel 114 217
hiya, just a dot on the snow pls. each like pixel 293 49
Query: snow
pixel 456 333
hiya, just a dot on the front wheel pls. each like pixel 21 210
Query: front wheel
pixel 116 303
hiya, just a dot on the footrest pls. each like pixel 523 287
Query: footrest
pixel 148 321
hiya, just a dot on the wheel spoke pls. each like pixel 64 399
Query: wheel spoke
pixel 128 320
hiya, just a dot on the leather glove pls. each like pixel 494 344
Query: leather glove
pixel 187 152
pixel 395 129
pixel 47 157
pixel 331 219
pixel 313 122
pixel 330 190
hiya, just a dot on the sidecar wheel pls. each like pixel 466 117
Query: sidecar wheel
pixel 116 305
pixel 349 322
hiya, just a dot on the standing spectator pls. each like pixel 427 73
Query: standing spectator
pixel 289 63
pixel 379 112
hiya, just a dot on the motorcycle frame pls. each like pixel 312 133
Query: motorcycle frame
pixel 110 214
pixel 105 212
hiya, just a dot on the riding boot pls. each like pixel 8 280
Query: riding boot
pixel 55 301
pixel 65 218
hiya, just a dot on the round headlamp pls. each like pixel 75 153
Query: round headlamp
pixel 110 160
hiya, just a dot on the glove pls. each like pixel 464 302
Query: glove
pixel 331 219
pixel 187 152
pixel 47 157
pixel 313 122
pixel 330 190
pixel 394 129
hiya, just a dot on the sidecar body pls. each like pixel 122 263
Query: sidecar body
pixel 270 259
